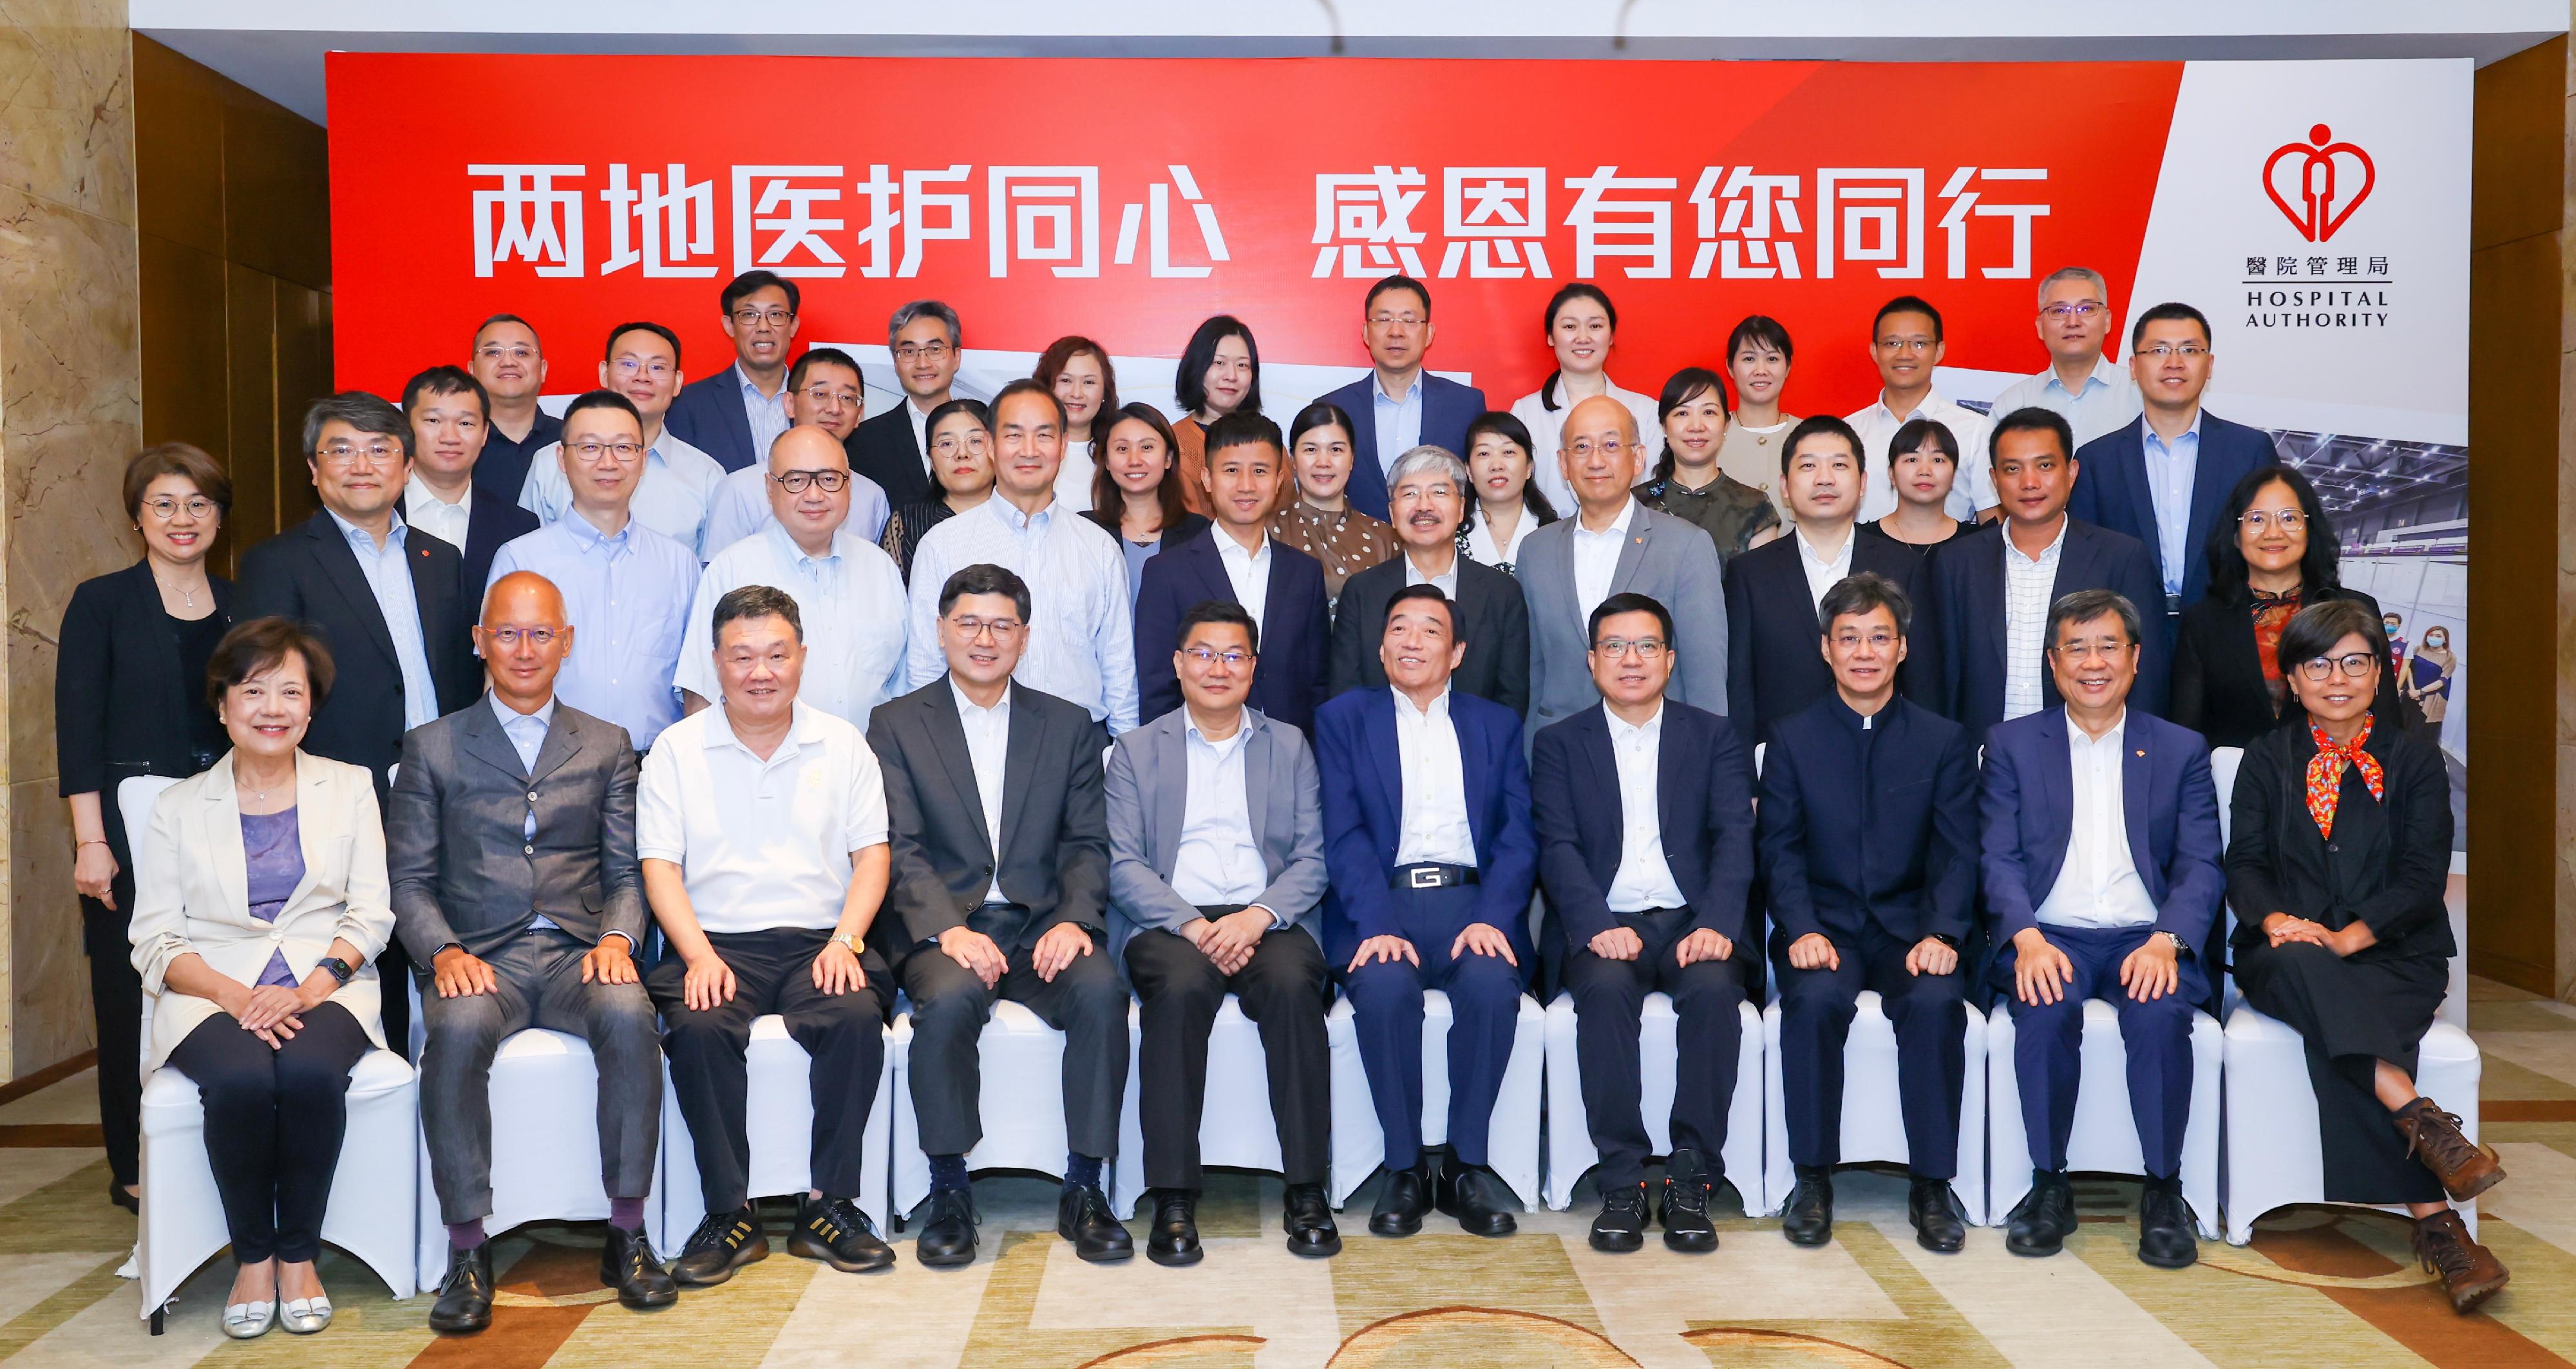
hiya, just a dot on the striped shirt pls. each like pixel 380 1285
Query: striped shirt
pixel 2028 583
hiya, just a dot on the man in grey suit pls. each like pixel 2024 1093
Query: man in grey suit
pixel 1216 871
pixel 1000 890
pixel 510 839
pixel 1615 545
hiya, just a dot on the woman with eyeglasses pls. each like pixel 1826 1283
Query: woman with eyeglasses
pixel 961 464
pixel 127 684
pixel 2271 553
pixel 1219 374
pixel 2336 868
pixel 1137 495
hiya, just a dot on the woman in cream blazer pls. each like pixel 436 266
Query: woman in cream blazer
pixel 260 909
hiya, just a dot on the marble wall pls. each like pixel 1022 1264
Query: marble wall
pixel 70 413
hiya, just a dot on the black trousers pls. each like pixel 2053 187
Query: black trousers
pixel 1609 1003
pixel 949 1008
pixel 1282 989
pixel 1930 1015
pixel 2352 1014
pixel 773 972
pixel 116 1001
pixel 274 1119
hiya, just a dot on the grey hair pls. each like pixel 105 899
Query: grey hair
pixel 1429 457
pixel 924 308
pixel 360 410
pixel 2101 287
pixel 2085 605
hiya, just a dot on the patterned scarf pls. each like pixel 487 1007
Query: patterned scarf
pixel 2272 612
pixel 2325 773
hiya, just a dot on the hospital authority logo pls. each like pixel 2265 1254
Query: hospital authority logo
pixel 2317 184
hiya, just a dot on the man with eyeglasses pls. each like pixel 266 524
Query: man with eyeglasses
pixel 678 481
pixel 1644 812
pixel 511 366
pixel 850 593
pixel 1615 545
pixel 1906 345
pixel 1398 404
pixel 892 449
pixel 736 413
pixel 1216 877
pixel 2164 478
pixel 2101 871
pixel 2094 393
pixel 622 582
pixel 1428 491
pixel 510 839
pixel 1868 839
pixel 824 390
pixel 450 426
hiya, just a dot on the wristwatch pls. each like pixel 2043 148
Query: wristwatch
pixel 851 941
pixel 340 969
pixel 1945 939
pixel 2179 944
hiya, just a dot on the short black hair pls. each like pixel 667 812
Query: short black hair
pixel 445 380
pixel 975 409
pixel 1617 604
pixel 1400 281
pixel 1025 386
pixel 753 282
pixel 2169 312
pixel 823 356
pixel 1686 384
pixel 2085 605
pixel 263 644
pixel 1857 596
pixel 360 410
pixel 1918 431
pixel 1828 425
pixel 1189 381
pixel 1457 629
pixel 2032 419
pixel 1242 428
pixel 605 399
pixel 1907 304
pixel 1322 414
pixel 609 351
pixel 1762 330
pixel 1219 611
pixel 2313 631
pixel 754 602
pixel 984 577
pixel 509 318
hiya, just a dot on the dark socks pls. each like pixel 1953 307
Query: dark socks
pixel 1081 1171
pixel 948 1174
pixel 626 1214
pixel 468 1235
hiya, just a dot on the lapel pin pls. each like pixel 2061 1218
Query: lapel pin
pixel 2142 754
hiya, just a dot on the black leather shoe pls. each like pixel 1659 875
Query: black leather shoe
pixel 1621 1227
pixel 723 1243
pixel 627 1263
pixel 2040 1223
pixel 1174 1238
pixel 1940 1224
pixel 1308 1220
pixel 1082 1217
pixel 1809 1217
pixel 2165 1237
pixel 464 1303
pixel 1407 1194
pixel 947 1236
pixel 1685 1209
pixel 1480 1201
pixel 834 1231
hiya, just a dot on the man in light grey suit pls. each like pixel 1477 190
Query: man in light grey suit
pixel 1615 545
pixel 1216 868
pixel 510 839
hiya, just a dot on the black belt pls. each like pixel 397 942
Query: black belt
pixel 1432 875
pixel 1213 911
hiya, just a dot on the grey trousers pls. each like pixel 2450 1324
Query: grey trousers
pixel 539 976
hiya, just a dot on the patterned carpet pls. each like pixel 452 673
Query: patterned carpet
pixel 2318 1287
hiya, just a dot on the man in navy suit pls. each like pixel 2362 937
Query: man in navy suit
pixel 892 449
pixel 451 419
pixel 1644 811
pixel 736 413
pixel 2101 872
pixel 1427 841
pixel 2163 477
pixel 1398 405
pixel 1991 589
pixel 1237 561
pixel 1869 858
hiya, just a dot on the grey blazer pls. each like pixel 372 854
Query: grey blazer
pixel 465 872
pixel 1668 559
pixel 1149 791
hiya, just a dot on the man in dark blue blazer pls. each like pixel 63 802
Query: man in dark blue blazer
pixel 1244 475
pixel 1398 405
pixel 2163 478
pixel 2102 875
pixel 714 415
pixel 1869 858
pixel 1427 840
pixel 1990 590
pixel 1644 811
pixel 451 422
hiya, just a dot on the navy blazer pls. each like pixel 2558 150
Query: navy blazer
pixel 2027 806
pixel 1491 614
pixel 708 415
pixel 1296 627
pixel 2111 489
pixel 489 522
pixel 1703 806
pixel 1775 649
pixel 1363 791
pixel 1966 602
pixel 1447 408
pixel 1870 830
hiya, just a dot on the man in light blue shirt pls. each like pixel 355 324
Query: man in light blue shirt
pixel 2092 392
pixel 2172 465
pixel 678 481
pixel 389 580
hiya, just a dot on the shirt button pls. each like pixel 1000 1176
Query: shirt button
pixel 527 850
pixel 532 796
pixel 277 936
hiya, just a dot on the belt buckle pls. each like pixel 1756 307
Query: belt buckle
pixel 1423 877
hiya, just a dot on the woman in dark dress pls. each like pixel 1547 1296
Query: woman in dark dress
pixel 1137 495
pixel 129 699
pixel 2271 553
pixel 2341 849
pixel 1923 461
pixel 961 461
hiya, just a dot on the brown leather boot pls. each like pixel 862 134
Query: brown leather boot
pixel 2470 1272
pixel 2465 1168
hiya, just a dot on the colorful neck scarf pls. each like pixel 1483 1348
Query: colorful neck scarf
pixel 2325 773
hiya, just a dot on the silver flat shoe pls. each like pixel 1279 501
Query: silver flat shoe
pixel 249 1320
pixel 304 1316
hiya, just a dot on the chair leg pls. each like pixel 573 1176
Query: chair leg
pixel 156 1319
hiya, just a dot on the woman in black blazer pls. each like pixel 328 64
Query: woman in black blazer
pixel 130 699
pixel 2271 553
pixel 2340 854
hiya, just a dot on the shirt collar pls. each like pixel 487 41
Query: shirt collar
pixel 1242 729
pixel 1807 549
pixel 1618 528
pixel 586 536
pixel 2076 736
pixel 416 493
pixel 1621 729
pixel 1404 705
pixel 800 731
pixel 968 708
pixel 545 713
pixel 1010 516
pixel 1933 406
pixel 2104 374
pixel 2156 440
pixel 2012 552
pixel 1377 387
pixel 1851 717
pixel 794 555
pixel 1233 550
pixel 354 534
pixel 751 390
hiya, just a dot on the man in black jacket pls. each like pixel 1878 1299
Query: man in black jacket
pixel 891 448
pixel 1429 496
pixel 451 422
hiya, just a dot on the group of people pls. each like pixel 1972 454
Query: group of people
pixel 1918 702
